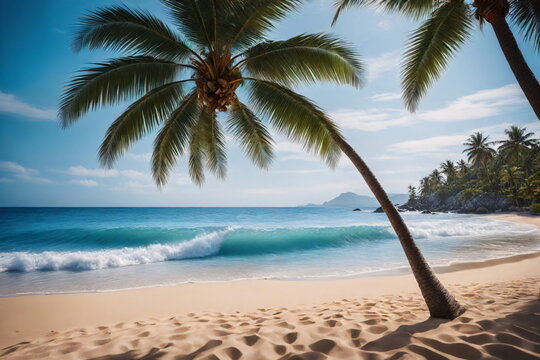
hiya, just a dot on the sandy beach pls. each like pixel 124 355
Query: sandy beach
pixel 371 318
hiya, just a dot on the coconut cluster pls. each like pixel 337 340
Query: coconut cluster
pixel 217 81
pixel 490 10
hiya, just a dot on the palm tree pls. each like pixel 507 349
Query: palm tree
pixel 449 25
pixel 518 143
pixel 462 167
pixel 449 169
pixel 222 49
pixel 425 187
pixel 512 177
pixel 436 179
pixel 478 150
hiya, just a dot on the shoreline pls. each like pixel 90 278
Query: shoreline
pixel 32 317
pixel 26 317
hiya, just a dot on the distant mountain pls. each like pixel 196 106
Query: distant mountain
pixel 352 200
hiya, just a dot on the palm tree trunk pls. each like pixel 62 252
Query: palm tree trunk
pixel 524 76
pixel 440 302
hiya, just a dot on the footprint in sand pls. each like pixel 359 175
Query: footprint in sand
pixel 251 339
pixel 290 337
pixel 333 323
pixel 280 349
pixel 354 333
pixel 233 353
pixel 323 346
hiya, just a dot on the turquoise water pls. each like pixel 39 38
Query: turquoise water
pixel 47 250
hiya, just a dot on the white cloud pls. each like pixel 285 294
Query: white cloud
pixel 385 96
pixel 479 105
pixel 380 65
pixel 22 173
pixel 10 104
pixel 387 157
pixel 5 180
pixel 435 144
pixel 105 173
pixel 85 182
pixel 371 119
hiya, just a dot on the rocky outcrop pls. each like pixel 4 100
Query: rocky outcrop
pixel 480 204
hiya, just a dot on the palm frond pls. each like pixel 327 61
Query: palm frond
pixel 296 117
pixel 304 58
pixel 252 19
pixel 133 31
pixel 196 158
pixel 413 8
pixel 173 138
pixel 140 118
pixel 526 15
pixel 112 82
pixel 214 142
pixel 196 20
pixel 252 135
pixel 430 48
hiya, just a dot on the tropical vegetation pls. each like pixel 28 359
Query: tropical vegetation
pixel 509 168
pixel 448 26
pixel 218 57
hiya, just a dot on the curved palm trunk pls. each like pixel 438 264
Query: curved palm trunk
pixel 524 76
pixel 440 302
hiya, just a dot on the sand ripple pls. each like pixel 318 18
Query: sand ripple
pixel 503 322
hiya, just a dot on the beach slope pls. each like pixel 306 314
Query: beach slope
pixel 372 318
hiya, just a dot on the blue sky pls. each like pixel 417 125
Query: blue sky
pixel 43 165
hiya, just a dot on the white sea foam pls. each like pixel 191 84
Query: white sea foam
pixel 467 228
pixel 200 246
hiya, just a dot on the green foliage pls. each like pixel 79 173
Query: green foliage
pixel 178 82
pixel 296 117
pixel 430 48
pixel 111 83
pixel 252 135
pixel 140 118
pixel 479 150
pixel 304 59
pixel 173 138
pixel 415 9
pixel 136 32
pixel 448 25
pixel 491 171
pixel 534 208
pixel 526 15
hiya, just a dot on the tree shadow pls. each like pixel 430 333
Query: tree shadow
pixel 514 336
pixel 154 353
pixel 402 335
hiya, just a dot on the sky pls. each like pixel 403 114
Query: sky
pixel 44 165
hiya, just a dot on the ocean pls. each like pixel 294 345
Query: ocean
pixel 59 250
